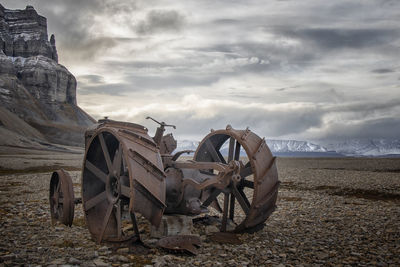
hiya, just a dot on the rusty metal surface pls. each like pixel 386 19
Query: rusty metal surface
pixel 122 174
pixel 258 175
pixel 225 238
pixel 61 198
pixel 180 243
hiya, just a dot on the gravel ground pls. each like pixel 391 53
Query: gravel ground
pixel 341 212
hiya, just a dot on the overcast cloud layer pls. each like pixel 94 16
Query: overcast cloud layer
pixel 306 70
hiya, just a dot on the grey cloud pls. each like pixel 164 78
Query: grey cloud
pixel 92 78
pixel 287 88
pixel 288 122
pixel 136 83
pixel 382 71
pixel 337 38
pixel 365 106
pixel 226 21
pixel 275 53
pixel 111 89
pixel 267 123
pixel 382 128
pixel 161 21
pixel 174 81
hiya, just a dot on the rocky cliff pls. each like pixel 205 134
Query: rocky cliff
pixel 24 34
pixel 33 86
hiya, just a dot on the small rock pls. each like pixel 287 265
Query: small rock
pixel 103 248
pixel 58 261
pixel 211 229
pixel 322 255
pixel 100 263
pixel 123 258
pixel 72 260
pixel 152 241
pixel 123 250
pixel 88 264
pixel 159 261
pixel 277 240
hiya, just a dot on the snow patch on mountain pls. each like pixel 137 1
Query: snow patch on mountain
pixel 363 147
pixel 294 146
pixel 186 145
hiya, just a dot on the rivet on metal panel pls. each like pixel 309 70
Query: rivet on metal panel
pixel 245 134
pixel 260 146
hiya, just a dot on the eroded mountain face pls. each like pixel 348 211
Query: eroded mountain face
pixel 33 86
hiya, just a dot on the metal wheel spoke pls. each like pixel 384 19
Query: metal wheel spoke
pixel 232 207
pixel 118 160
pixel 105 152
pixel 237 151
pixel 225 212
pixel 118 218
pixel 134 224
pixel 212 151
pixel 222 159
pixel 246 171
pixel 96 171
pixel 249 184
pixel 105 222
pixel 215 205
pixel 57 187
pixel 242 201
pixel 231 148
pixel 125 190
pixel 211 197
pixel 94 201
pixel 240 189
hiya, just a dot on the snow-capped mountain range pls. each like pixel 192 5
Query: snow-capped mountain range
pixel 355 147
pixel 373 147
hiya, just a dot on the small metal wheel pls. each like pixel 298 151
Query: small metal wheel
pixel 255 191
pixel 61 198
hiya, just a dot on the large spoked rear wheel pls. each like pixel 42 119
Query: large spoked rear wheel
pixel 251 200
pixel 106 189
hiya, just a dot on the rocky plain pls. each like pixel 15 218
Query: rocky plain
pixel 330 212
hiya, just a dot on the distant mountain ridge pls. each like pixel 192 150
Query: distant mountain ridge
pixel 366 147
pixel 296 148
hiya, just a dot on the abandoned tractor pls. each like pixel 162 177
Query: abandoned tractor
pixel 126 172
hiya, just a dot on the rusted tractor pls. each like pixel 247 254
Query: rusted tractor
pixel 126 172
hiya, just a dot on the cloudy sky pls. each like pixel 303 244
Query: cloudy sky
pixel 305 70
